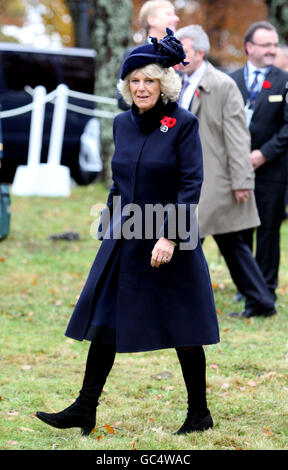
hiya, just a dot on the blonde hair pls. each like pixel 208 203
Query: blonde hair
pixel 150 9
pixel 170 82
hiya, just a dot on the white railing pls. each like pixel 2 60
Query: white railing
pixel 51 178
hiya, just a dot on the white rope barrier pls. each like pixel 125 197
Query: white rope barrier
pixel 91 112
pixel 72 107
pixel 97 99
pixel 81 96
pixel 51 178
pixel 27 107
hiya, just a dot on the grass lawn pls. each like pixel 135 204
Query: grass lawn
pixel 144 399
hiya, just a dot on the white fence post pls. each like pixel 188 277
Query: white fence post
pixel 36 126
pixel 51 178
pixel 58 125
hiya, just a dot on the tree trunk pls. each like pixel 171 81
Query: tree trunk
pixel 111 36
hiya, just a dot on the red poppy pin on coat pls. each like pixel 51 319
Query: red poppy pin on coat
pixel 166 123
pixel 266 84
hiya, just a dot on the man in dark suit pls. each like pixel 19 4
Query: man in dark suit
pixel 264 90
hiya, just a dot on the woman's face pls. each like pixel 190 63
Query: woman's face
pixel 145 91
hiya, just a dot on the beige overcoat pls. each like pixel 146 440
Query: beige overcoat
pixel 218 104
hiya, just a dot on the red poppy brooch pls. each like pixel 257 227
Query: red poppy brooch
pixel 166 123
pixel 266 84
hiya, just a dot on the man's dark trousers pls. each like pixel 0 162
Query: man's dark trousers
pixel 271 206
pixel 245 272
pixel 269 134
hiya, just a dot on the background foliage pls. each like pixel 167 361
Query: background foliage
pixel 278 15
pixel 111 36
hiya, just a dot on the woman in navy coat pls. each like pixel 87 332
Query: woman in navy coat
pixel 149 286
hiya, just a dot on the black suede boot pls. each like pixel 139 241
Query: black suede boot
pixel 82 413
pixel 193 365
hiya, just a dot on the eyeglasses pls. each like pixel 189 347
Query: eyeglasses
pixel 267 45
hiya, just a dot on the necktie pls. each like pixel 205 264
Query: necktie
pixel 253 91
pixel 183 89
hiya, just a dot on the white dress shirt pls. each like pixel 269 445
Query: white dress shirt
pixel 193 80
pixel 251 75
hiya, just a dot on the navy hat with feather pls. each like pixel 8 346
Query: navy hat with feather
pixel 166 52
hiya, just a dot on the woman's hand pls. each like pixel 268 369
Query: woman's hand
pixel 162 252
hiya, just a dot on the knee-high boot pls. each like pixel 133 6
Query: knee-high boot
pixel 82 413
pixel 193 365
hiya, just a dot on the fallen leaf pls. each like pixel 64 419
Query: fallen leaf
pixel 33 279
pixel 2 260
pixel 162 375
pixel 225 386
pixel 252 383
pixel 99 438
pixel 214 366
pixel 151 420
pixel 118 423
pixel 267 433
pixel 26 367
pixel 268 375
pixel 109 429
pixel 26 429
pixel 12 443
pixel 158 430
pixel 30 315
pixel 133 446
pixel 13 413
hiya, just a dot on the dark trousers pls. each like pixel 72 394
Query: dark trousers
pixel 245 271
pixel 270 201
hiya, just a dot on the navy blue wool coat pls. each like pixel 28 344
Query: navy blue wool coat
pixel 124 299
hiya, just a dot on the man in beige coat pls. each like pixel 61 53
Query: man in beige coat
pixel 227 204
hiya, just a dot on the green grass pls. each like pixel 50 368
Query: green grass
pixel 41 369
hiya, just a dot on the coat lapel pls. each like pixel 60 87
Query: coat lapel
pixel 195 103
pixel 203 86
pixel 242 85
